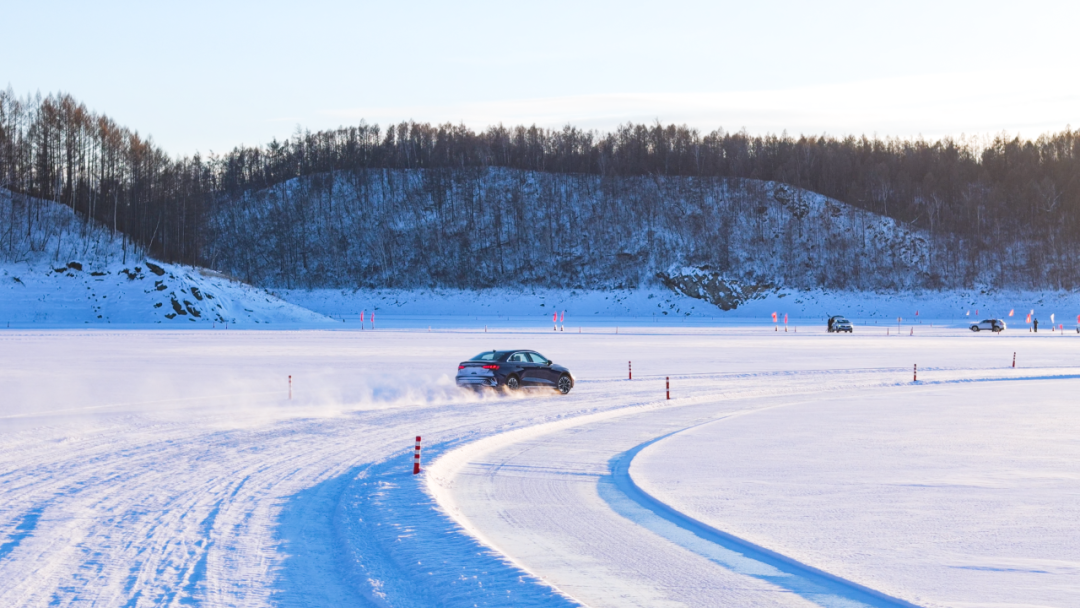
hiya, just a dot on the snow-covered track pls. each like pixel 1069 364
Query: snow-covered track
pixel 559 502
pixel 142 468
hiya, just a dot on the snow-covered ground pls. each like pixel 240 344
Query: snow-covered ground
pixel 47 293
pixel 948 494
pixel 142 468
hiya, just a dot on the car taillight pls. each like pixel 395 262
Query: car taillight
pixel 493 366
pixel 461 367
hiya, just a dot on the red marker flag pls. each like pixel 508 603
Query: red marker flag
pixel 1011 312
pixel 785 318
pixel 1029 318
pixel 361 316
pixel 774 317
pixel 562 317
pixel 555 318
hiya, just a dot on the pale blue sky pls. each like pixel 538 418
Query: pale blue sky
pixel 210 75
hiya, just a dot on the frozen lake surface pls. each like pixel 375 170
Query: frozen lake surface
pixel 146 468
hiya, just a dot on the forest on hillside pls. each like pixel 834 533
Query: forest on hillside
pixel 1010 203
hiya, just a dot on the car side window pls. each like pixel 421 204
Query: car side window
pixel 517 358
pixel 537 358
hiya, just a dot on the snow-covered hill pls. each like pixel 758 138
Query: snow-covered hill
pixel 57 269
pixel 508 228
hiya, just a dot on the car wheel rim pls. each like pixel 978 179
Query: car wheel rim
pixel 564 385
pixel 512 383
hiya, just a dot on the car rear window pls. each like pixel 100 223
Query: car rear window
pixel 491 355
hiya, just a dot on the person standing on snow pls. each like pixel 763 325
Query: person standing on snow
pixel 1036 323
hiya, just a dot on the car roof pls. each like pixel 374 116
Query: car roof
pixel 501 354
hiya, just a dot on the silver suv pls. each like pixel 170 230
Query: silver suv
pixel 994 325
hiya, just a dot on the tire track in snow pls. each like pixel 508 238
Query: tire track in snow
pixel 633 503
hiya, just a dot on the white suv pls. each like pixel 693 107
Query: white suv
pixel 994 325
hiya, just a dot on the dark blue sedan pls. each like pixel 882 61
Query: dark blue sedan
pixel 513 369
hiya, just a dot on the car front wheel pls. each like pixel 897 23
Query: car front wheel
pixel 975 328
pixel 565 384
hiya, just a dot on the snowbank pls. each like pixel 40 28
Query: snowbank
pixel 60 270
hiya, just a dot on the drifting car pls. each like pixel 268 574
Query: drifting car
pixel 838 324
pixel 994 325
pixel 513 370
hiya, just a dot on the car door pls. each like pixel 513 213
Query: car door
pixel 521 361
pixel 543 372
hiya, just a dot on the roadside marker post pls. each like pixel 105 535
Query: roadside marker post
pixel 1014 359
pixel 630 370
pixel 290 386
pixel 416 458
pixel 667 382
pixel 915 374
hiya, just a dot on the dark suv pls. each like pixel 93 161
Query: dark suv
pixel 513 369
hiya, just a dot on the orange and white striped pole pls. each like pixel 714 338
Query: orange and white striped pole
pixel 416 458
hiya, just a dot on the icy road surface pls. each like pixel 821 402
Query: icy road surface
pixel 156 468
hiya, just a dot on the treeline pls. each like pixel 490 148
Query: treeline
pixel 993 197
pixel 54 149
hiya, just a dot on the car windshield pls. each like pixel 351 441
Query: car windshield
pixel 842 321
pixel 491 355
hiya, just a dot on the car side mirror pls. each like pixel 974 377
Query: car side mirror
pixel 548 362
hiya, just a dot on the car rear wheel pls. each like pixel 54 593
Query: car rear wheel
pixel 975 328
pixel 513 383
pixel 565 384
